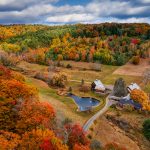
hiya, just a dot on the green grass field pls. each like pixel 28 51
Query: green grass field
pixel 66 104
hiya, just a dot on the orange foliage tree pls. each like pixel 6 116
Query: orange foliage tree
pixel 42 139
pixel 8 140
pixel 21 112
pixel 141 97
pixel 14 90
pixel 35 114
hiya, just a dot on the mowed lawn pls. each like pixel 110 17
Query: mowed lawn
pixel 64 106
pixel 81 70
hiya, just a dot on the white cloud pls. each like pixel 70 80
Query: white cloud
pixel 70 18
pixel 129 20
pixel 111 8
pixel 45 11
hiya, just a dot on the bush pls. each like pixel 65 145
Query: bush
pixel 70 89
pixel 89 136
pixel 84 88
pixel 146 129
pixel 8 59
pixel 95 145
pixel 136 60
pixel 113 146
pixel 96 67
pixel 59 80
pixel 44 76
pixel 68 66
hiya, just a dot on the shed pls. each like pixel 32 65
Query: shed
pixel 133 86
pixel 97 85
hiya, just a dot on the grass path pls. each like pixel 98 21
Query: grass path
pixel 49 95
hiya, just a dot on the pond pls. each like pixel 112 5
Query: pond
pixel 84 103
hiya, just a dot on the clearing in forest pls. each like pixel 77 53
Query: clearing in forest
pixel 133 70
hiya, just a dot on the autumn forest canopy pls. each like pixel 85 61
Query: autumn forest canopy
pixel 26 120
pixel 107 43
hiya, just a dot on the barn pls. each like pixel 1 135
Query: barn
pixel 98 86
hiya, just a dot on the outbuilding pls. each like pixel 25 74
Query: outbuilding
pixel 133 86
pixel 98 86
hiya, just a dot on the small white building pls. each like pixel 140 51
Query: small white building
pixel 133 86
pixel 97 85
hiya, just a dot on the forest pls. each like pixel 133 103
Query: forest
pixel 31 53
pixel 112 44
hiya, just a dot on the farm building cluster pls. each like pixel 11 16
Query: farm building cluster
pixel 98 87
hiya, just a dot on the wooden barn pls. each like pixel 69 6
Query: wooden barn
pixel 98 86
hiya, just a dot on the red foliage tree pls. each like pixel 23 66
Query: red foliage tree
pixel 76 135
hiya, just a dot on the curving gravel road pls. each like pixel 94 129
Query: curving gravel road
pixel 88 124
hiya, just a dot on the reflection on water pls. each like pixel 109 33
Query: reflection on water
pixel 84 103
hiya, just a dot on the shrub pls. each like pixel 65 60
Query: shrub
pixel 113 146
pixel 95 145
pixel 84 88
pixel 146 129
pixel 44 76
pixel 66 121
pixel 80 147
pixel 136 60
pixel 96 67
pixel 68 66
pixel 59 80
pixel 70 89
pixel 89 136
pixel 8 59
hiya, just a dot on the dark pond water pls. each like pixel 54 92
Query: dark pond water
pixel 84 103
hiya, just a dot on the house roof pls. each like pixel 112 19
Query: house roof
pixel 131 102
pixel 99 85
pixel 133 86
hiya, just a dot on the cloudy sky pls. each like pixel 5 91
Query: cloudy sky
pixel 73 11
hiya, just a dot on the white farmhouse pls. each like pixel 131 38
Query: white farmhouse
pixel 133 86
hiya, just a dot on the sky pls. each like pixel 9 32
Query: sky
pixel 58 12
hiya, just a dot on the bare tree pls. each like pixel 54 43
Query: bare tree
pixel 146 77
pixel 52 66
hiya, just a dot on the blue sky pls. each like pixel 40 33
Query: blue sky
pixel 74 11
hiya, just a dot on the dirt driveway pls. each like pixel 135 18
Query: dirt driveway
pixel 133 70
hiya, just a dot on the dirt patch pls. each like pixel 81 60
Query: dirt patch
pixel 133 70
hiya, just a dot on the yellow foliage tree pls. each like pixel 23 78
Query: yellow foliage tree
pixel 141 97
